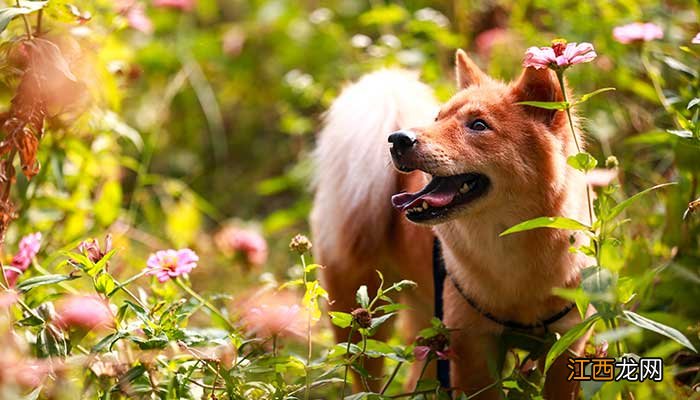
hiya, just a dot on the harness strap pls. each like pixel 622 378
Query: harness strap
pixel 439 275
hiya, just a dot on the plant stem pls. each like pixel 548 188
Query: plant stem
pixel 653 77
pixel 38 21
pixel 422 372
pixel 307 392
pixel 391 377
pixel 22 304
pixel 347 366
pixel 362 362
pixel 126 282
pixel 560 77
pixel 27 26
pixel 208 305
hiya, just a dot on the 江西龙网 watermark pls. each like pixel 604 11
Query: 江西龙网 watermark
pixel 609 369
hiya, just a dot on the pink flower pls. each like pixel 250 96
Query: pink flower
pixel 28 248
pixel 275 314
pixel 434 345
pixel 167 264
pixel 233 41
pixel 91 248
pixel 86 312
pixel 559 55
pixel 8 298
pixel 184 5
pixel 135 14
pixel 601 176
pixel 422 352
pixel 696 39
pixel 248 242
pixel 637 32
pixel 488 39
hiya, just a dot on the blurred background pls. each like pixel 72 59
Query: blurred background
pixel 216 103
pixel 190 122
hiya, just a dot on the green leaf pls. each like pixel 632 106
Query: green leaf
pixel 108 204
pixel 588 96
pixel 388 308
pixel 658 327
pixel 108 341
pixel 104 283
pixel 548 105
pixel 312 267
pixel 28 7
pixel 693 103
pixel 568 339
pixel 399 286
pixel 43 280
pixel 576 295
pixel 384 15
pixel 620 207
pixel 362 296
pixel 340 319
pixel 547 222
pixel 31 320
pixel 684 133
pixel 377 322
pixel 582 161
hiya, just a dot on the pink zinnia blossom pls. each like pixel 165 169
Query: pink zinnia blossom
pixel 248 242
pixel 28 248
pixel 87 312
pixel 422 352
pixel 637 32
pixel 488 39
pixel 167 264
pixel 274 315
pixel 29 373
pixel 600 176
pixel 559 55
pixel 135 13
pixel 91 248
pixel 137 18
pixel 8 298
pixel 696 39
pixel 184 5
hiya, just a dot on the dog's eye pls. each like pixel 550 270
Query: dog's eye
pixel 478 125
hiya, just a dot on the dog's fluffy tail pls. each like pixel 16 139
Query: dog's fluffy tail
pixel 354 177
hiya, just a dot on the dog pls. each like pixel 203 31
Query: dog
pixel 464 171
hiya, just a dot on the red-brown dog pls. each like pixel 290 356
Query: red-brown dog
pixel 472 168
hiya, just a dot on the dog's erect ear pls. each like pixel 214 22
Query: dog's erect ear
pixel 539 85
pixel 468 73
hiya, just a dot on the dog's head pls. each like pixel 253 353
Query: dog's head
pixel 484 149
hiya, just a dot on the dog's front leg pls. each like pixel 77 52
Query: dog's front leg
pixel 477 367
pixel 478 353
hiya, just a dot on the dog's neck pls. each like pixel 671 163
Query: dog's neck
pixel 503 272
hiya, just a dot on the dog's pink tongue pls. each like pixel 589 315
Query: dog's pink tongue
pixel 404 201
pixel 438 199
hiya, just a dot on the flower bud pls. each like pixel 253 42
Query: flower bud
pixel 362 317
pixel 611 162
pixel 300 243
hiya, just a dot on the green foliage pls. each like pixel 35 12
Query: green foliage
pixel 167 137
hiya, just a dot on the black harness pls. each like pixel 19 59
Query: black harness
pixel 439 275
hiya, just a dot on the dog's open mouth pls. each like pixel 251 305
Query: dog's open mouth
pixel 442 195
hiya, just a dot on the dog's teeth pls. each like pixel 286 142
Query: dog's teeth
pixel 425 205
pixel 464 188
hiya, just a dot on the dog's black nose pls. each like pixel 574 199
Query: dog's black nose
pixel 401 141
